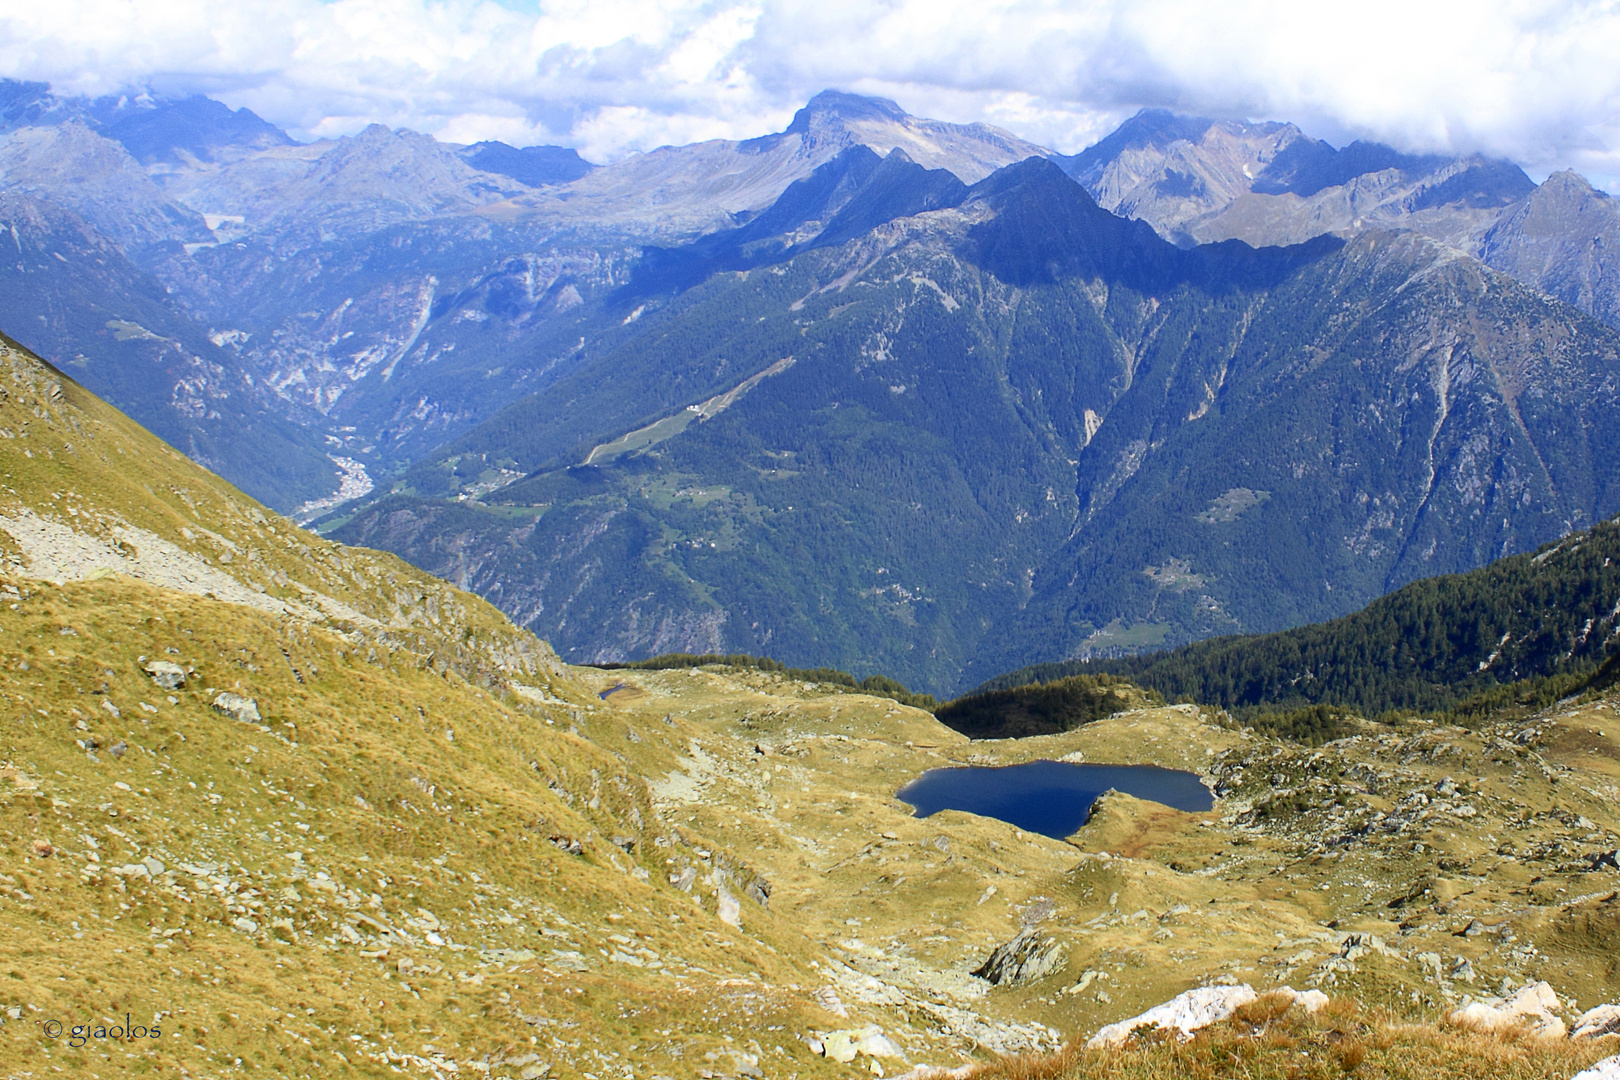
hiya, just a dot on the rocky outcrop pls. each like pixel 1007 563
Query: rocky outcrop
pixel 1029 957
pixel 842 1046
pixel 1534 1008
pixel 1195 1009
pixel 1598 1022
pixel 237 707
pixel 167 674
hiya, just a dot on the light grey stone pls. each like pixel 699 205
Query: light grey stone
pixel 1026 958
pixel 166 673
pixel 237 707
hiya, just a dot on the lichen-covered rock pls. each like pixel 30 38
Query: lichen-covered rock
pixel 238 707
pixel 1534 1008
pixel 166 673
pixel 1024 959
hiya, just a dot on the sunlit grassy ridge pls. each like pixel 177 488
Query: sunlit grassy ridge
pixel 86 467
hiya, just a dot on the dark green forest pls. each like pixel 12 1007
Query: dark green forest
pixel 1042 708
pixel 1509 634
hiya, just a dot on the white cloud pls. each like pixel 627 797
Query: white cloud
pixel 1534 80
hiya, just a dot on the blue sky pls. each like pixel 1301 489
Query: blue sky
pixel 1533 80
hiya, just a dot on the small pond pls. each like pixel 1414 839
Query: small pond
pixel 1052 798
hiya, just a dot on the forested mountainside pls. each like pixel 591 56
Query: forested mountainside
pixel 1018 427
pixel 116 327
pixel 1425 647
pixel 384 292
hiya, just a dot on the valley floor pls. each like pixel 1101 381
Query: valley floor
pixel 640 874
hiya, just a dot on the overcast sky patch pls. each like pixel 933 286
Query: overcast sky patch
pixel 1532 80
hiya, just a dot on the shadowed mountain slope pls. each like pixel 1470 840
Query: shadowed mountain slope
pixel 1427 646
pixel 196 127
pixel 71 295
pixel 536 166
pixel 1021 428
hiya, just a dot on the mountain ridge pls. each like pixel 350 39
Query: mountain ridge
pixel 380 301
pixel 1172 418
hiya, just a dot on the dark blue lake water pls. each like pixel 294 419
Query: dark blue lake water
pixel 1052 798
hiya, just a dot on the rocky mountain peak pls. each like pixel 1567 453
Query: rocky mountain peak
pixel 398 165
pixel 23 104
pixel 157 130
pixel 832 108
pixel 376 133
pixel 1568 182
pixel 834 120
pixel 1559 239
pixel 93 176
pixel 1033 178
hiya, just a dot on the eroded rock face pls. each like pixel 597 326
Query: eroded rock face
pixel 1024 959
pixel 1534 1008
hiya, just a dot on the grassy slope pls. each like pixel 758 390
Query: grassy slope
pixel 1267 1041
pixel 421 791
pixel 76 459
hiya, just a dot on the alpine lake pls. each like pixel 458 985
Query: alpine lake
pixel 1052 798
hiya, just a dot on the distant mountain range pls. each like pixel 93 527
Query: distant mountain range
pixel 1198 180
pixel 879 392
pixel 997 423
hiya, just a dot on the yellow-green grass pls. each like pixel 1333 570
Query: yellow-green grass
pixel 1267 1040
pixel 68 457
pixel 418 789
